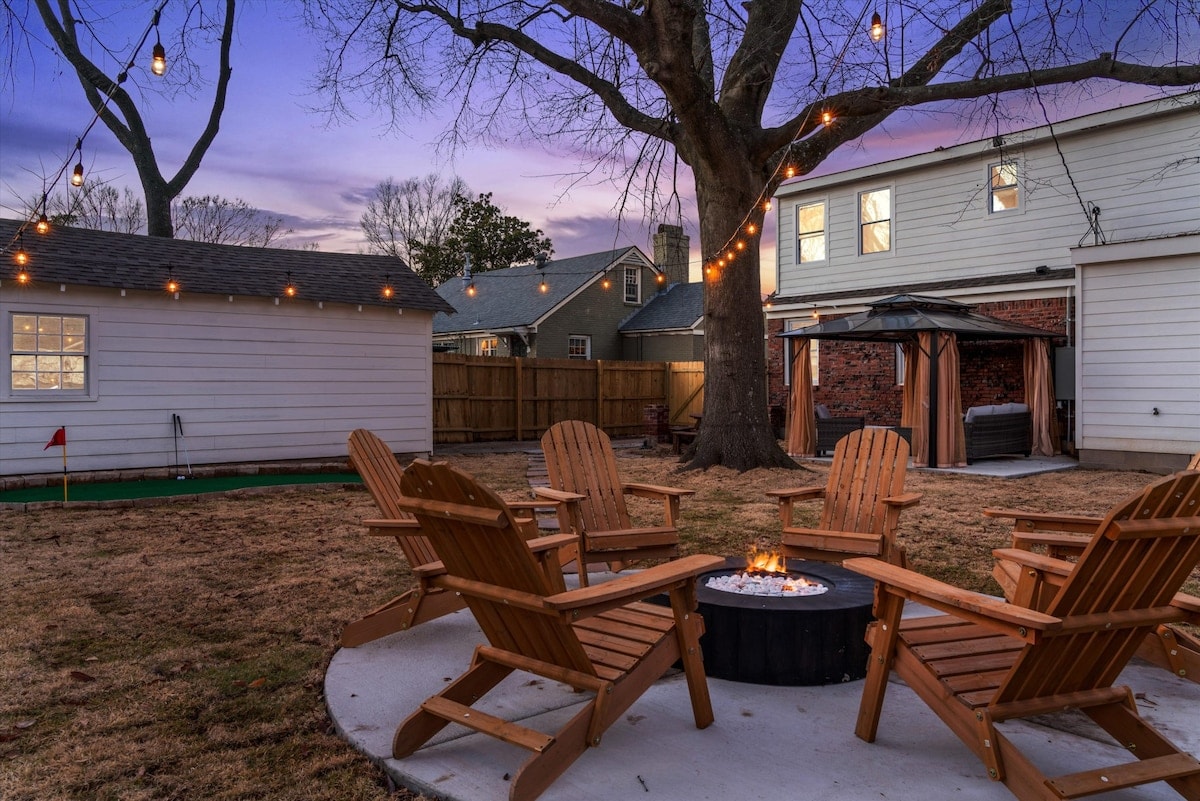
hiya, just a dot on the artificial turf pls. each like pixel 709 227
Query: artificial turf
pixel 154 488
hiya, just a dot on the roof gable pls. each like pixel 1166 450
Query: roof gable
pixel 510 298
pixel 681 306
pixel 83 257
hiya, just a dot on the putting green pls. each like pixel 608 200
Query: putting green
pixel 154 488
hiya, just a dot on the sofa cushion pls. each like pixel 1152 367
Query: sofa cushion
pixel 978 411
pixel 822 411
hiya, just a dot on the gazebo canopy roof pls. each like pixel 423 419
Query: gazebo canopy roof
pixel 902 317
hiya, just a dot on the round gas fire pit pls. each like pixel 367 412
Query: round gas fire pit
pixel 800 640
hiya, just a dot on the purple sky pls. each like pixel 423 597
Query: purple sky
pixel 282 158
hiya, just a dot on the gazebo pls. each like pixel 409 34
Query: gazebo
pixel 927 329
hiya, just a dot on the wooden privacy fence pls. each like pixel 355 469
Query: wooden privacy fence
pixel 479 398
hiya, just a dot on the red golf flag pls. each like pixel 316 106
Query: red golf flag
pixel 59 438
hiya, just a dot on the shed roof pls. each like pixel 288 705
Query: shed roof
pixel 79 256
pixel 679 306
pixel 509 298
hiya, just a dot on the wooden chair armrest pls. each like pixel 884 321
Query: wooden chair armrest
pixel 553 542
pixel 904 501
pixel 631 587
pixel 531 506
pixel 1036 561
pixel 655 491
pixel 464 513
pixel 1047 521
pixel 558 496
pixel 1017 621
pixel 429 570
pixel 391 527
pixel 798 494
pixel 1188 603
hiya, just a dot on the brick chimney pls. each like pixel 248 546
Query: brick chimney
pixel 671 253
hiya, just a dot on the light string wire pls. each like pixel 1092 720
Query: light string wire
pixel 121 77
pixel 727 253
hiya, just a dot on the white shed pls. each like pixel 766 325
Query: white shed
pixel 1138 354
pixel 98 344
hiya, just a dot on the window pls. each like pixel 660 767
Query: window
pixel 814 353
pixel 489 346
pixel 810 231
pixel 49 353
pixel 633 285
pixel 1003 188
pixel 875 221
pixel 579 347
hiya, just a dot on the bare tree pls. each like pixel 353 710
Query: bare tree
pixel 64 20
pixel 736 91
pixel 413 210
pixel 224 221
pixel 96 205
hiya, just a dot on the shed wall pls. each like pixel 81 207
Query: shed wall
pixel 251 381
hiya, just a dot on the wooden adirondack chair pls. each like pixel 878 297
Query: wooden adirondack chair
pixel 862 501
pixel 988 661
pixel 600 640
pixel 381 473
pixel 1033 582
pixel 580 460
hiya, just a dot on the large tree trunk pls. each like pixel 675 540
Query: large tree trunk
pixel 736 428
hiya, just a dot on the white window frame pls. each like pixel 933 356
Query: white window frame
pixel 814 353
pixel 889 220
pixel 803 236
pixel 489 346
pixel 632 284
pixel 1014 187
pixel 574 340
pixel 54 393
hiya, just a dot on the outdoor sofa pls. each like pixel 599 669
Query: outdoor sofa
pixel 997 430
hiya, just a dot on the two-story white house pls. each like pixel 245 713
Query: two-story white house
pixel 1090 227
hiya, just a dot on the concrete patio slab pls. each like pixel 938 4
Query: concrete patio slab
pixel 768 743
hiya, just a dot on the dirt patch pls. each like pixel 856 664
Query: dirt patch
pixel 178 651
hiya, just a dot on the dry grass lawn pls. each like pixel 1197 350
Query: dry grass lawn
pixel 178 651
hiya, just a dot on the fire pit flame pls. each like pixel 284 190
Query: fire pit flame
pixel 766 574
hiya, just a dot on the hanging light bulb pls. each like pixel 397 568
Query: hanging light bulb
pixel 543 288
pixel 22 277
pixel 289 288
pixel 740 245
pixel 172 284
pixel 767 206
pixel 42 226
pixel 605 283
pixel 77 175
pixel 790 172
pixel 20 256
pixel 827 117
pixel 158 56
pixel 660 277
pixel 471 290
pixel 387 292
pixel 751 229
pixel 877 29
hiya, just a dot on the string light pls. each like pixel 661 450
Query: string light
pixel 22 277
pixel 172 284
pixel 77 175
pixel 471 290
pixel 387 292
pixel 289 288
pixel 19 255
pixel 543 288
pixel 605 283
pixel 43 225
pixel 158 56
pixel 827 117
pixel 877 29
pixel 660 278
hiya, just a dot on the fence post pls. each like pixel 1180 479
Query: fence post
pixel 600 394
pixel 517 398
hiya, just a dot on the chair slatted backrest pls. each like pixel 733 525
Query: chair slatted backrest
pixel 498 557
pixel 580 459
pixel 868 465
pixel 1141 555
pixel 375 463
pixel 1194 464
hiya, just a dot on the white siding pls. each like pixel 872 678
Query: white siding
pixel 1138 173
pixel 1139 350
pixel 250 380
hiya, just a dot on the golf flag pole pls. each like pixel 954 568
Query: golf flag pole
pixel 60 439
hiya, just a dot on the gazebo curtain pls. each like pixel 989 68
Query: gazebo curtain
pixel 1039 396
pixel 801 426
pixel 908 408
pixel 951 442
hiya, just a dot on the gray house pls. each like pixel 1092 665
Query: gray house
pixel 99 343
pixel 616 304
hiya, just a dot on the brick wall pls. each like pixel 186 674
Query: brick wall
pixel 859 378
